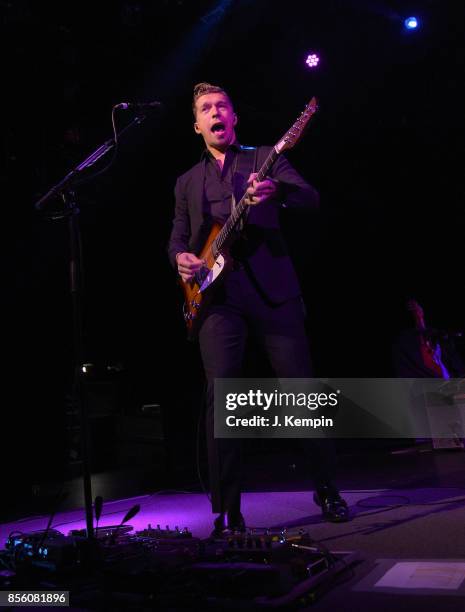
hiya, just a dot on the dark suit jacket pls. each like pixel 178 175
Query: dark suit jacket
pixel 263 250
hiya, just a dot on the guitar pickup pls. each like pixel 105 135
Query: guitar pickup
pixel 201 275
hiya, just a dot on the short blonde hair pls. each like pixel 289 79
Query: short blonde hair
pixel 201 89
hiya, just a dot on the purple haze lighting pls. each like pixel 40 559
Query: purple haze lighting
pixel 312 60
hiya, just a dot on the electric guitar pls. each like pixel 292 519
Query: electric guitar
pixel 431 355
pixel 430 351
pixel 215 253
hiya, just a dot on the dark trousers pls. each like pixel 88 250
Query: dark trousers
pixel 237 311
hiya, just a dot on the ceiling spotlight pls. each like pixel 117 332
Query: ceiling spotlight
pixel 411 23
pixel 312 60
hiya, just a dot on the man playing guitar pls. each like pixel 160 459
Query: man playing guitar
pixel 259 294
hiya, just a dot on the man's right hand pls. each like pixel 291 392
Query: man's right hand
pixel 188 265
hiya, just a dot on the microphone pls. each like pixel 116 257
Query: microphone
pixel 139 106
pixel 128 516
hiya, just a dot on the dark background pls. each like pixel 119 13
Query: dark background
pixel 385 152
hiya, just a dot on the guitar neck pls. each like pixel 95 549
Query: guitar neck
pixel 287 141
pixel 241 206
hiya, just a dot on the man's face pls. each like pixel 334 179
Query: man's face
pixel 215 120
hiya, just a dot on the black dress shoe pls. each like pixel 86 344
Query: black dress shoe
pixel 219 526
pixel 235 523
pixel 333 507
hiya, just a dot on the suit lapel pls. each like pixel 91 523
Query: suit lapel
pixel 197 191
pixel 195 204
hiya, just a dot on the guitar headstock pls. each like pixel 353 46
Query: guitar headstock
pixel 292 136
pixel 415 307
pixel 417 312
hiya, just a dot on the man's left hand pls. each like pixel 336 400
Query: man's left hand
pixel 262 191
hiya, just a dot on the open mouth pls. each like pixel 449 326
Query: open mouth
pixel 218 128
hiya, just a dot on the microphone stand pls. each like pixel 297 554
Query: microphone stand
pixel 65 190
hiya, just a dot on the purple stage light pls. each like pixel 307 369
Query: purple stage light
pixel 312 60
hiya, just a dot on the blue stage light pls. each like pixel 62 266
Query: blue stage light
pixel 411 23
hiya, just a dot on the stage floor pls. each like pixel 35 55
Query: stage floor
pixel 417 511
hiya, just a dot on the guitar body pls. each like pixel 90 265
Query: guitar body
pixel 430 357
pixel 198 292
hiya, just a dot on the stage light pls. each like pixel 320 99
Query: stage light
pixel 312 60
pixel 411 23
